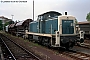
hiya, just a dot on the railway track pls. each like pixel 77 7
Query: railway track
pixel 77 55
pixel 84 45
pixel 74 54
pixel 18 52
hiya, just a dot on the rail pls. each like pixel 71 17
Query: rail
pixel 14 57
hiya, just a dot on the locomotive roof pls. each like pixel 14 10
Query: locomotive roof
pixel 50 12
pixel 33 22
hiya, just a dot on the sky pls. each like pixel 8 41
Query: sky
pixel 22 11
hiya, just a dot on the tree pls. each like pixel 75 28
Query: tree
pixel 76 21
pixel 88 17
pixel 7 23
pixel 1 25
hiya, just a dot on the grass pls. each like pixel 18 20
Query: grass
pixel 35 44
pixel 25 40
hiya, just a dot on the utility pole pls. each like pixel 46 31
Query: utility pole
pixel 3 22
pixel 33 9
pixel 12 18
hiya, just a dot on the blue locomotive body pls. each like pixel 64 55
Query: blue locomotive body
pixel 33 27
pixel 49 26
pixel 54 29
pixel 44 27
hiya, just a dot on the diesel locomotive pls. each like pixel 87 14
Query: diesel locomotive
pixel 53 29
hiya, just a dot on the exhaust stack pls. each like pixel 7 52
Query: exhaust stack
pixel 65 13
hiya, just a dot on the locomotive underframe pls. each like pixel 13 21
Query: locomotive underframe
pixel 66 41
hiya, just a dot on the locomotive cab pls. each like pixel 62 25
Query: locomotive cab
pixel 66 28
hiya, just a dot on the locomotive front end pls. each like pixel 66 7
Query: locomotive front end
pixel 66 27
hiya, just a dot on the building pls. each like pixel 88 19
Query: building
pixel 84 26
pixel 3 20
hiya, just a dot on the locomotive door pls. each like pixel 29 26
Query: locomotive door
pixel 67 27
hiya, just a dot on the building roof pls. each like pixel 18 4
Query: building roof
pixel 5 19
pixel 84 22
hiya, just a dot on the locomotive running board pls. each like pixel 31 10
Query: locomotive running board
pixel 39 34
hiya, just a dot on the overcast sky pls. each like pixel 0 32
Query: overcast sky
pixel 22 11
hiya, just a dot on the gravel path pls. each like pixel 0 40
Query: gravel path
pixel 87 41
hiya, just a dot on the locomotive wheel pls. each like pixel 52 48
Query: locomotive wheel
pixel 81 40
pixel 69 45
pixel 30 37
pixel 40 40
